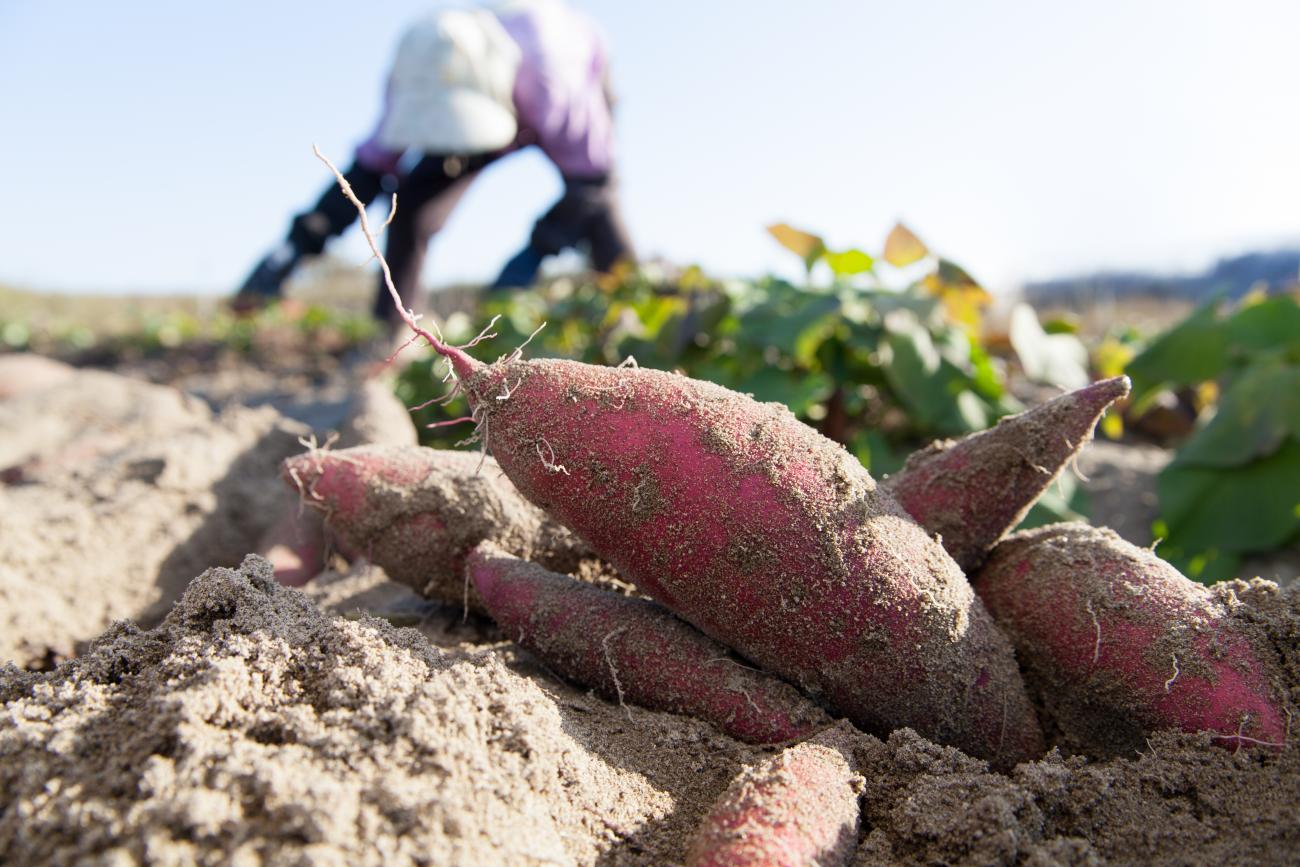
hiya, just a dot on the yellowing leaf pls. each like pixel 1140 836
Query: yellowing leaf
pixel 1207 394
pixel 1112 424
pixel 966 306
pixel 902 248
pixel 1111 357
pixel 963 299
pixel 1256 294
pixel 803 244
pixel 618 275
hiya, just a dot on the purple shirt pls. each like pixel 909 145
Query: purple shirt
pixel 560 95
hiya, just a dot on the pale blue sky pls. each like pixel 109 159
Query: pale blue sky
pixel 156 146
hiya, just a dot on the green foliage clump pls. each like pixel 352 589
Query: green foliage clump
pixel 876 367
pixel 1233 488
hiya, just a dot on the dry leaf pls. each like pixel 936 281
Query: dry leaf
pixel 902 248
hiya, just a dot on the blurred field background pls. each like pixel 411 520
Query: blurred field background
pixel 1095 190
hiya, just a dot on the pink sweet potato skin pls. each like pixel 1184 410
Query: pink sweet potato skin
pixel 1119 643
pixel 418 512
pixel 974 491
pixel 767 537
pixel 635 650
pixel 800 807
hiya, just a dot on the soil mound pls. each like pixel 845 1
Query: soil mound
pixel 115 494
pixel 250 725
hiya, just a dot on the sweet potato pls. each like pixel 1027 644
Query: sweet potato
pixel 635 650
pixel 296 543
pixel 974 491
pixel 1119 643
pixel 763 534
pixel 418 512
pixel 799 807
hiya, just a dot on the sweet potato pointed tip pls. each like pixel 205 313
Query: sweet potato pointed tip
pixel 974 491
pixel 325 481
pixel 1102 393
pixel 341 482
pixel 483 565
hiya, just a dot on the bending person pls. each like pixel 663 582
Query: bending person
pixel 466 88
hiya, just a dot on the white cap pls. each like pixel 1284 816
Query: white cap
pixel 451 90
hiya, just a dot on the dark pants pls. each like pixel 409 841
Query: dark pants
pixel 425 199
pixel 587 214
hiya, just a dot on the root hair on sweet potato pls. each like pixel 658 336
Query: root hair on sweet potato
pixel 613 669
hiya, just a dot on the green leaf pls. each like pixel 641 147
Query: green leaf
pixel 1270 324
pixel 952 273
pixel 1256 413
pixel 655 311
pixel 974 413
pixel 1060 325
pixel 1193 351
pixel 911 362
pixel 811 338
pixel 1207 567
pixel 1233 509
pixel 1064 500
pixel 797 391
pixel 987 380
pixel 795 324
pixel 935 392
pixel 876 454
pixel 927 308
pixel 849 262
pixel 1057 359
pixel 954 346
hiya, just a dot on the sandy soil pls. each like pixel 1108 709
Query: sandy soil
pixel 252 726
pixel 117 493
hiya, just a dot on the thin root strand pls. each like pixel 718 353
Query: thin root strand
pixel 1170 682
pixel 408 316
pixel 613 670
pixel 450 422
pixel 548 458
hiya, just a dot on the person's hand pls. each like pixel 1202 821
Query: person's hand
pixel 266 282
